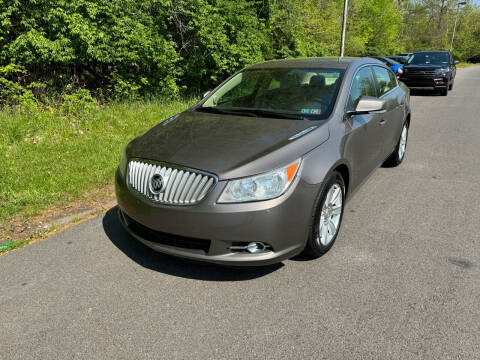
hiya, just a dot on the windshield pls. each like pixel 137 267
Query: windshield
pixel 429 58
pixel 292 93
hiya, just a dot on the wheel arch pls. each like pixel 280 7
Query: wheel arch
pixel 344 171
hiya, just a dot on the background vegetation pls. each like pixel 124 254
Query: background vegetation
pixel 124 49
pixel 79 79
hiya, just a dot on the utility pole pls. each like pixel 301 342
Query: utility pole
pixel 344 27
pixel 455 26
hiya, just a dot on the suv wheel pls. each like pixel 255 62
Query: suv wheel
pixel 444 92
pixel 450 87
pixel 327 217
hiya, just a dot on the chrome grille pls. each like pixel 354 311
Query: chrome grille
pixel 183 186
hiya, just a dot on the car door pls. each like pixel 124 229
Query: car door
pixel 392 119
pixel 364 133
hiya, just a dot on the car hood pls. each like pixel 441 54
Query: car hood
pixel 229 146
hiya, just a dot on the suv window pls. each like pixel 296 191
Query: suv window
pixel 362 85
pixel 385 80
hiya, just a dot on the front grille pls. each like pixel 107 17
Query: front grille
pixel 164 238
pixel 422 72
pixel 182 186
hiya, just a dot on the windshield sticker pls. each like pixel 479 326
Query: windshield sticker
pixel 311 111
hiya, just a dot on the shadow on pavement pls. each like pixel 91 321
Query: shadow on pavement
pixel 424 93
pixel 167 264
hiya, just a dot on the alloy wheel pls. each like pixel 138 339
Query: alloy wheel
pixel 330 215
pixel 403 142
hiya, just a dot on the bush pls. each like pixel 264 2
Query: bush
pixel 115 48
pixel 77 103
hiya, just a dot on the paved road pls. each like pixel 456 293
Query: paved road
pixel 402 281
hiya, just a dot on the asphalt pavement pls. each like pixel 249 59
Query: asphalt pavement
pixel 401 282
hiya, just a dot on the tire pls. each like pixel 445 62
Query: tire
pixel 319 243
pixel 450 87
pixel 397 156
pixel 444 92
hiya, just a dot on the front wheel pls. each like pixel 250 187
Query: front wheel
pixel 327 217
pixel 398 154
pixel 444 92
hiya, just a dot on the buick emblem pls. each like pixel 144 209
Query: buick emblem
pixel 156 184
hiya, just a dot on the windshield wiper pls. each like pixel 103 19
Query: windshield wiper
pixel 274 114
pixel 216 110
pixel 250 112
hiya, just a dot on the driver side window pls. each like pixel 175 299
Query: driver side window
pixel 362 85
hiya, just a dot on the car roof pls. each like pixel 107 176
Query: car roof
pixel 314 62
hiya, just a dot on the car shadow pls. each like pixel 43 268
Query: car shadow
pixel 424 93
pixel 170 265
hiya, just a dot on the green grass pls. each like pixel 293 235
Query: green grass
pixel 464 65
pixel 54 156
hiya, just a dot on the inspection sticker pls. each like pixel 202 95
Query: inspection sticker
pixel 311 111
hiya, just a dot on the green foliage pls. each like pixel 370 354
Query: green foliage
pixel 117 46
pixel 132 49
pixel 216 38
pixel 429 24
pixel 77 103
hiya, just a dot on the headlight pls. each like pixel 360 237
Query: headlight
pixel 443 72
pixel 123 162
pixel 260 187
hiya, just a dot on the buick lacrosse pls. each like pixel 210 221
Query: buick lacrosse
pixel 261 168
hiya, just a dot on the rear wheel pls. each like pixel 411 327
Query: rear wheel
pixel 398 154
pixel 327 217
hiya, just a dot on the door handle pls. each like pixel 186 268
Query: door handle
pixel 382 122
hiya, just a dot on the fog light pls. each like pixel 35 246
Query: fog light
pixel 252 247
pixel 255 247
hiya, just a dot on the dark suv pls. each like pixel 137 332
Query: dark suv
pixel 430 70
pixel 474 59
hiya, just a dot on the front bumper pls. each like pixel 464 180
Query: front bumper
pixel 421 83
pixel 283 223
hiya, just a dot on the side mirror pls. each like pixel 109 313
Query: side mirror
pixel 456 62
pixel 206 94
pixel 368 105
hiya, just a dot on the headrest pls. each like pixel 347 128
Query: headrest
pixel 317 81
